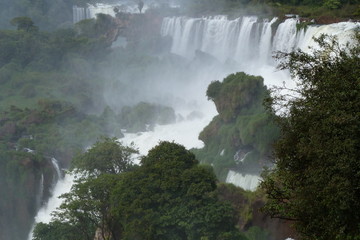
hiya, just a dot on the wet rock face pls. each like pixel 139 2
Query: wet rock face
pixel 18 211
pixel 25 184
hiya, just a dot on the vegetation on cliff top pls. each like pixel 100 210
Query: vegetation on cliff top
pixel 324 11
pixel 243 126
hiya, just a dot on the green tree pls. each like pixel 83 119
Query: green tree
pixel 316 181
pixel 87 208
pixel 171 197
pixel 56 230
pixel 24 23
pixel 106 156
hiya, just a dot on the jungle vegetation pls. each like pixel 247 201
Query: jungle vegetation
pixel 316 179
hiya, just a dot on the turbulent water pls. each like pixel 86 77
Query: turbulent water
pixel 242 44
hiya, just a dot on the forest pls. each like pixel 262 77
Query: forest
pixel 57 101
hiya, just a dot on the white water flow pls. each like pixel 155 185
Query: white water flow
pixel 56 167
pixel 246 181
pixel 243 44
pixel 123 6
pixel 40 194
pixel 247 43
pixel 184 132
pixel 61 186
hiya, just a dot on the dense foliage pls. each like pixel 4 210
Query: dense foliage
pixel 327 9
pixel 243 126
pixel 316 179
pixel 169 196
pixel 52 104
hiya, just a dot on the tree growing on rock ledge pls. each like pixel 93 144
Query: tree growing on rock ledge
pixel 316 181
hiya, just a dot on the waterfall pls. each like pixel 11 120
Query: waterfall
pixel 40 194
pixel 44 214
pixel 246 40
pixel 56 167
pixel 265 41
pixel 240 39
pixel 60 186
pixel 80 13
pixel 285 39
pixel 90 11
pixel 245 181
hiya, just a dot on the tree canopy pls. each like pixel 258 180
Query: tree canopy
pixel 316 181
pixel 107 156
pixel 169 196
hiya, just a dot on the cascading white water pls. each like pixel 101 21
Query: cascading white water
pixel 90 11
pixel 80 13
pixel 61 186
pixel 237 39
pixel 247 40
pixel 56 167
pixel 40 194
pixel 265 42
pixel 44 214
pixel 245 181
pixel 286 37
pixel 184 132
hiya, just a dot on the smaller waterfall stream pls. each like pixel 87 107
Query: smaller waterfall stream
pixel 61 185
pixel 40 194
pixel 55 164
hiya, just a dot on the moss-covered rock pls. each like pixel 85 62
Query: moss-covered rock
pixel 242 125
